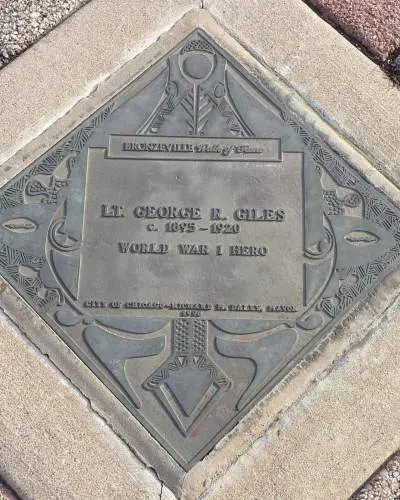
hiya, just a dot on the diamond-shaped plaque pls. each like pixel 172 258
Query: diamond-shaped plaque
pixel 191 242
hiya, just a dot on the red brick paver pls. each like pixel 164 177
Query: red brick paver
pixel 375 24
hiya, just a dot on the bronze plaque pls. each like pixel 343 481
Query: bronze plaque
pixel 192 241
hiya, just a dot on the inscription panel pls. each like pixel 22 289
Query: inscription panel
pixel 175 238
pixel 192 241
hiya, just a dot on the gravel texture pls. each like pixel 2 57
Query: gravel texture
pixel 375 24
pixel 23 22
pixel 6 493
pixel 384 485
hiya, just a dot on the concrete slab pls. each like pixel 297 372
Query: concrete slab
pixel 324 446
pixel 100 39
pixel 333 76
pixel 52 443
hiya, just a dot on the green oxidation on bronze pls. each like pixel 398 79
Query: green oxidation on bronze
pixel 192 241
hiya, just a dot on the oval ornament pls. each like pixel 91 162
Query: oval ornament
pixel 361 238
pixel 20 225
pixel 310 322
pixel 67 318
pixel 27 272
